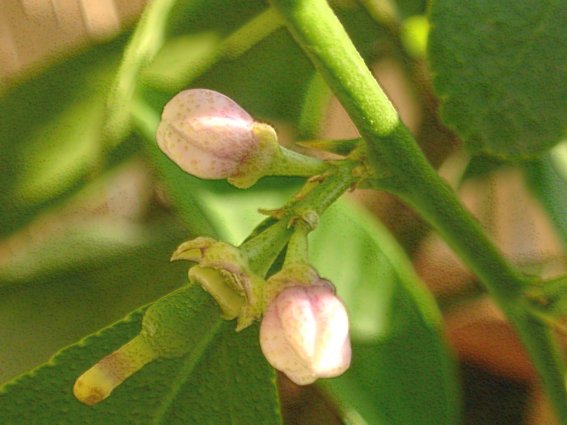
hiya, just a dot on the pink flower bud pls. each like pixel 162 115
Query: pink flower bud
pixel 206 133
pixel 305 333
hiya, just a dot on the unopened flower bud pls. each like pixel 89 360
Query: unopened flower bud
pixel 210 136
pixel 305 333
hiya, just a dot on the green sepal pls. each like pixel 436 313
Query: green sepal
pixel 224 272
pixel 271 159
pixel 260 164
pixel 298 274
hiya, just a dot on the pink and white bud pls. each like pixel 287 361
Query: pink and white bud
pixel 305 333
pixel 206 134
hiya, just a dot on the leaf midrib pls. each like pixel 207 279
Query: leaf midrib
pixel 189 363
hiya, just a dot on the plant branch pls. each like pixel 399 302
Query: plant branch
pixel 316 196
pixel 401 168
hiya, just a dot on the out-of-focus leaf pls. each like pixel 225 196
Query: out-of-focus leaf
pixel 182 59
pixel 186 57
pixel 499 68
pixel 84 247
pixel 409 8
pixel 257 81
pixel 62 295
pixel 225 16
pixel 50 133
pixel 236 213
pixel 77 281
pixel 147 39
pixel 225 380
pixel 547 178
pixel 402 371
pixel 482 165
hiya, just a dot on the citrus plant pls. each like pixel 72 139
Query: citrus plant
pixel 279 271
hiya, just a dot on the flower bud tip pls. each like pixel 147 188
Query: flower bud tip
pixel 97 383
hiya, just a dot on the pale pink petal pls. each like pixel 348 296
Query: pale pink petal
pixel 206 133
pixel 305 334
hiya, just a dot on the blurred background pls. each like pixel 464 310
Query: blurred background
pixel 499 383
pixel 35 30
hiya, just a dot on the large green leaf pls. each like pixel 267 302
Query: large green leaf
pixel 50 133
pixel 402 371
pixel 408 8
pixel 223 380
pixel 499 68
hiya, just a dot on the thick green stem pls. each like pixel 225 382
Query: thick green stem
pixel 401 168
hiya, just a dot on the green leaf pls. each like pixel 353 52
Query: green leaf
pixel 480 166
pixel 224 380
pixel 256 82
pixel 547 179
pixel 402 371
pixel 74 282
pixel 409 8
pixel 89 244
pixel 182 59
pixel 50 133
pixel 499 68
